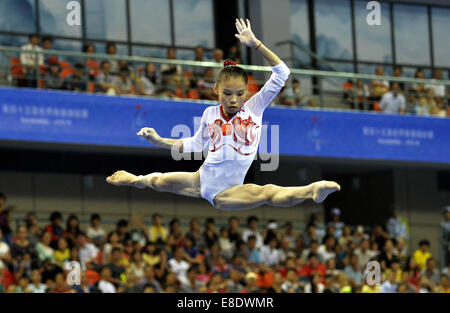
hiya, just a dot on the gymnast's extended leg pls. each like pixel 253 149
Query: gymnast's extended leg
pixel 250 196
pixel 181 183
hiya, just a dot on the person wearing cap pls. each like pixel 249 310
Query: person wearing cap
pixel 397 226
pixel 444 237
pixel 252 222
pixel 251 279
pixel 336 222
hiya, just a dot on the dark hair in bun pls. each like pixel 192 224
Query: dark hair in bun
pixel 231 70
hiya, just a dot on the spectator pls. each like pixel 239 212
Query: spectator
pixel 439 89
pixel 157 233
pixel 316 219
pixel 111 49
pixel 30 61
pixel 252 251
pixel 104 284
pixel 225 243
pixel 47 44
pixel 5 224
pixel 234 284
pixel 209 235
pixel 421 107
pixel 233 53
pixel 5 254
pixel 124 83
pixel 43 249
pixel 52 79
pixel 218 58
pixel 438 109
pixel 353 270
pixel 149 279
pixel 360 93
pixel 34 231
pixel 233 230
pixel 179 266
pixel 291 285
pixel 393 102
pixel 313 266
pixel 77 81
pixel 327 250
pixel 397 226
pixel 91 63
pixel 167 88
pixel 192 285
pixel 21 249
pixel 206 85
pixel 174 69
pixel 88 252
pixel 122 231
pixel 444 238
pixel 387 256
pixel 315 285
pixel 398 72
pixel 174 230
pixel 199 57
pixel 364 254
pixel 270 254
pixel 138 231
pixel 418 89
pixel 346 237
pixel 251 279
pixel 147 80
pixel 62 253
pixel 336 222
pixel 359 235
pixel 252 223
pixel 422 254
pixel 378 88
pixel 116 267
pixel 431 272
pixel 72 229
pixel 378 237
pixel 55 228
pixel 95 232
pixel 105 80
pixel 389 285
pixel 195 235
pixel 36 285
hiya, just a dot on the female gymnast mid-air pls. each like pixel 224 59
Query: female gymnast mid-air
pixel 232 132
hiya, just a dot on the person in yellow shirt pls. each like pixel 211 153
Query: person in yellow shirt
pixel 371 289
pixel 157 232
pixel 151 255
pixel 62 254
pixel 422 254
pixel 395 267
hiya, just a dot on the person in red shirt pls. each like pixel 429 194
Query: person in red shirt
pixel 313 267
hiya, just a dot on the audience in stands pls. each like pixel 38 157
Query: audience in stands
pixel 170 81
pixel 133 259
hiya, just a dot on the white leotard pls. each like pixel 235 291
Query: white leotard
pixel 232 142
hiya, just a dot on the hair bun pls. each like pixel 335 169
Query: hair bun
pixel 228 63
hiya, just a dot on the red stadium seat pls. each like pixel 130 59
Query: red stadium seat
pixel 16 67
pixel 193 94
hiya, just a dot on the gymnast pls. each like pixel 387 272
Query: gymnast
pixel 231 132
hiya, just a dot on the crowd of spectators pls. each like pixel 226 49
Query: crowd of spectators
pixel 327 257
pixel 398 97
pixel 118 77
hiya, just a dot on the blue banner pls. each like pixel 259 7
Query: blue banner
pixel 72 118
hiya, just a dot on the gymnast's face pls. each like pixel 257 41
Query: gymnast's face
pixel 232 94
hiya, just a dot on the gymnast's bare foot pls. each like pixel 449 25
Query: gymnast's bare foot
pixel 321 189
pixel 123 178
